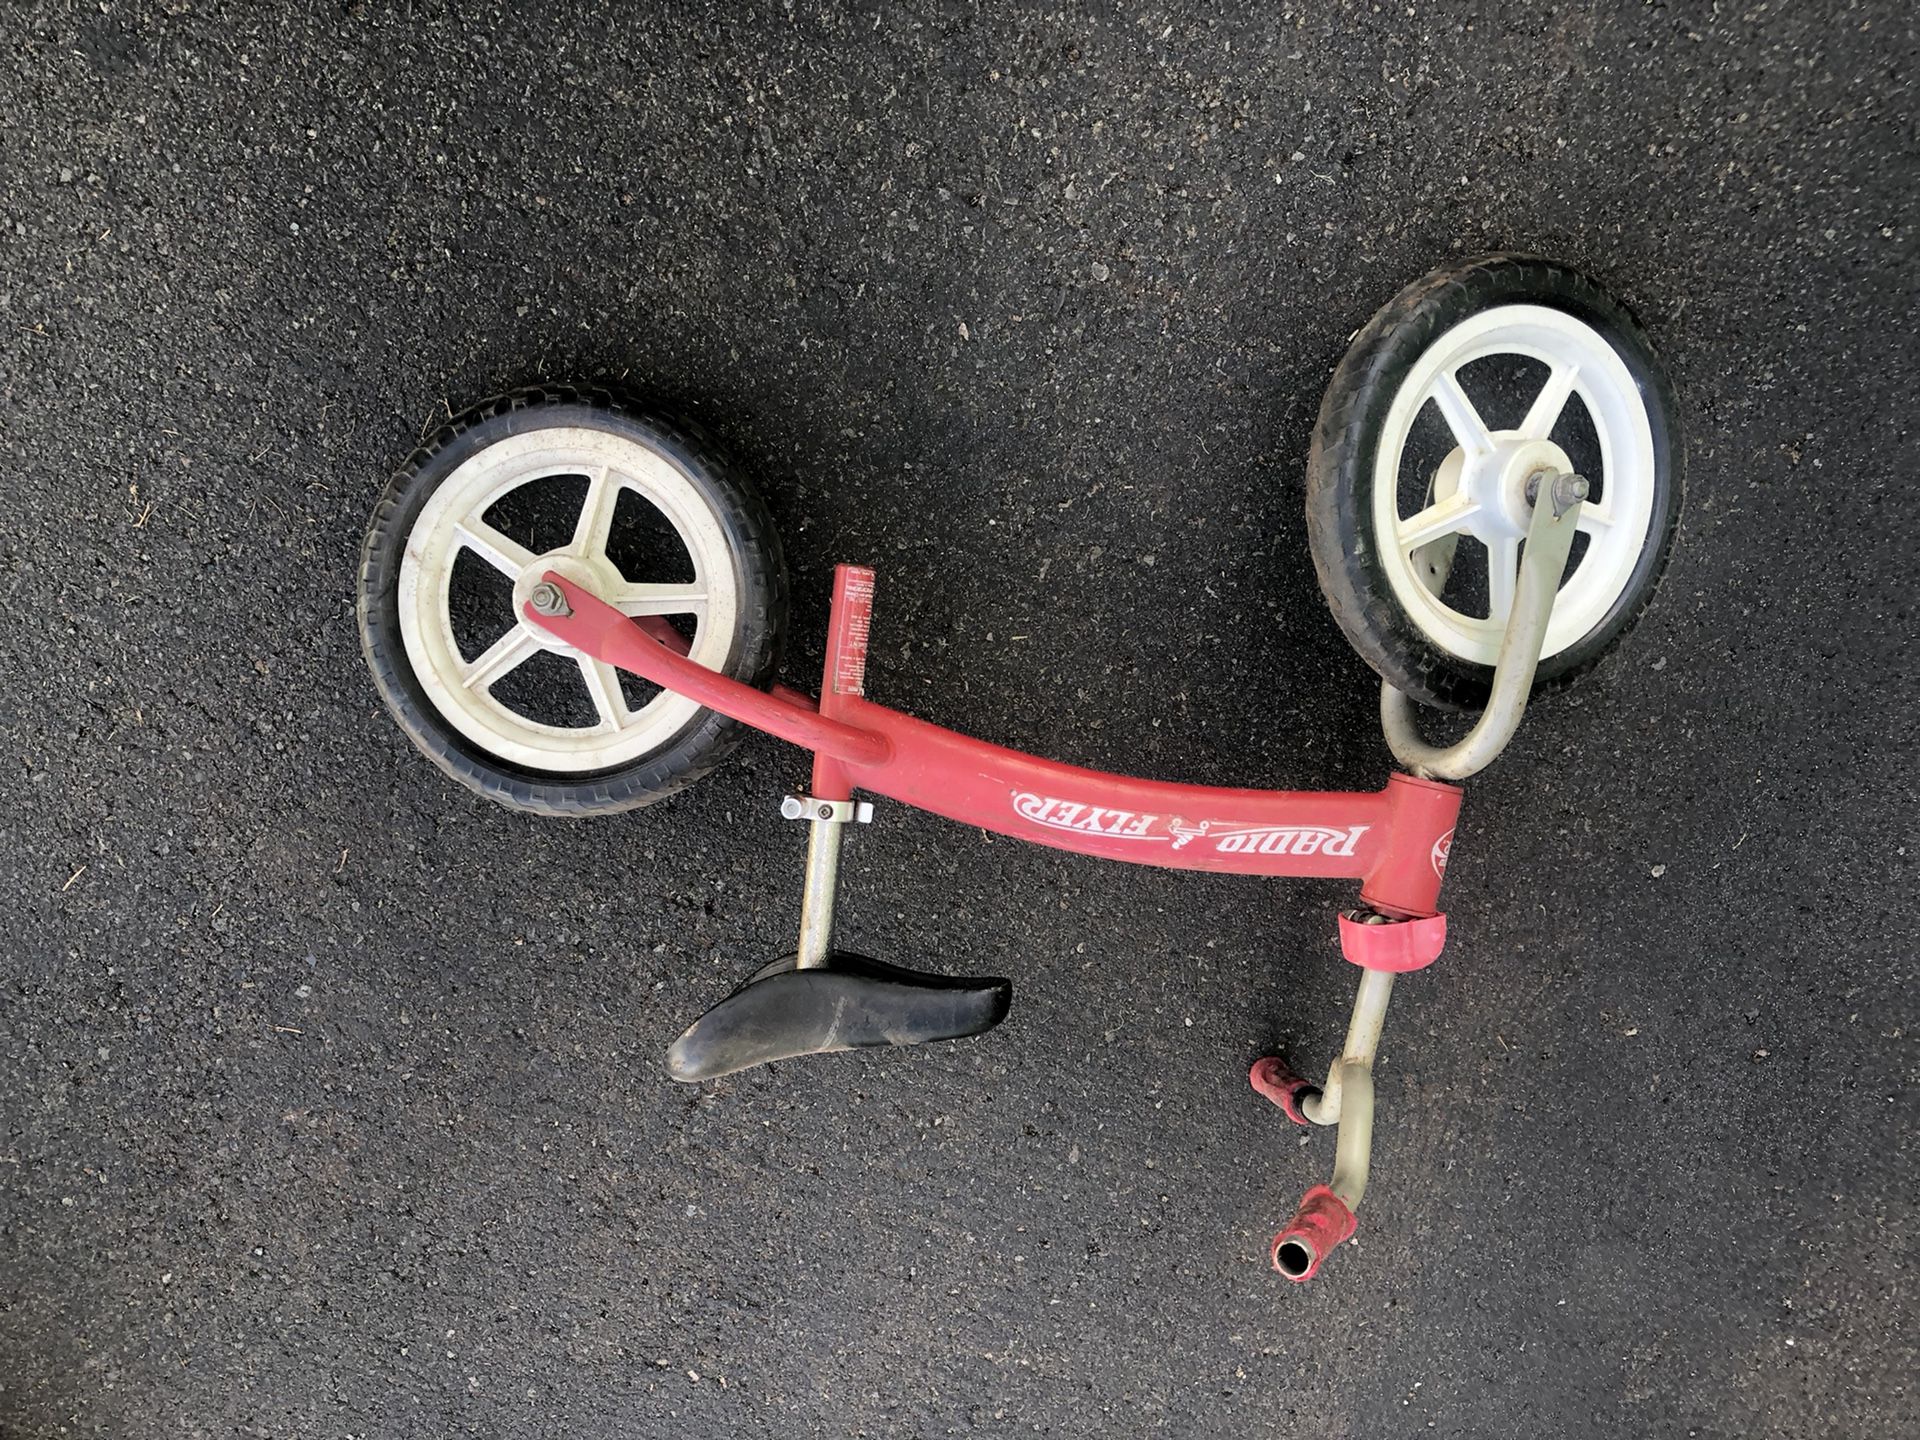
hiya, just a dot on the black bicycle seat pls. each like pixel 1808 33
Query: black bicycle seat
pixel 850 1003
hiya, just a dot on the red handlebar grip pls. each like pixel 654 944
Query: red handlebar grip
pixel 1323 1221
pixel 1271 1077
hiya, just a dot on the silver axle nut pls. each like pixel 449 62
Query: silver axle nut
pixel 548 598
pixel 1567 489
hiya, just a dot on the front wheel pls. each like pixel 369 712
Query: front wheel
pixel 642 512
pixel 1466 385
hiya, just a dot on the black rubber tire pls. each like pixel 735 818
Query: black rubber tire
pixel 1340 471
pixel 759 572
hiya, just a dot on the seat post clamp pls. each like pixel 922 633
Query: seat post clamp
pixel 833 812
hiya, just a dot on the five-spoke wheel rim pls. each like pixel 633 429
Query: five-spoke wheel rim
pixel 1478 491
pixel 454 519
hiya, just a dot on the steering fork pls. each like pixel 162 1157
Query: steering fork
pixel 1384 946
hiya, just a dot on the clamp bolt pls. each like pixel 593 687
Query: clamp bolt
pixel 808 807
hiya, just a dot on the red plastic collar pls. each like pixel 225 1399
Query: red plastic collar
pixel 1397 945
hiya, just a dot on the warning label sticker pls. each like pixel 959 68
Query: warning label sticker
pixel 855 621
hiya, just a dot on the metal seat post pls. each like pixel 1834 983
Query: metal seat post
pixel 826 830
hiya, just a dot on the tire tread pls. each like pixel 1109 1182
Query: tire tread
pixel 1339 478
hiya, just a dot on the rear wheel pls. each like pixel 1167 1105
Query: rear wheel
pixel 1467 384
pixel 642 512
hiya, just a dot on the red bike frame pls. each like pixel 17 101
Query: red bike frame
pixel 1395 840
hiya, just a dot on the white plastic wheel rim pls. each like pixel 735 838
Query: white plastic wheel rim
pixel 453 519
pixel 1486 501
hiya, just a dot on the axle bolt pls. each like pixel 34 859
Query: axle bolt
pixel 548 598
pixel 1567 490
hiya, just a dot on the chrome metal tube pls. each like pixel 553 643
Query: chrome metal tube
pixel 817 893
pixel 1347 1098
pixel 1363 1043
pixel 1353 1151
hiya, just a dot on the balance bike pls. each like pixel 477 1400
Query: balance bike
pixel 571 606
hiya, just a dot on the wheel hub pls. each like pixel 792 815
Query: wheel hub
pixel 596 576
pixel 1496 482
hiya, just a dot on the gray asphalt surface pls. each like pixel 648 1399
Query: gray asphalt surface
pixel 329 1095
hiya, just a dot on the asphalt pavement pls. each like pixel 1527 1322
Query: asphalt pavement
pixel 330 1095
